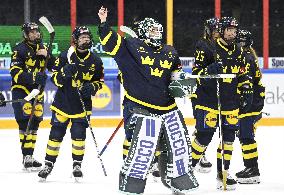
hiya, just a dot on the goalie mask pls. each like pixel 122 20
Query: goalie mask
pixel 245 37
pixel 150 31
pixel 31 32
pixel 79 40
pixel 210 26
pixel 231 24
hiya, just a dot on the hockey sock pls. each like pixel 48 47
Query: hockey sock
pixel 197 151
pixel 27 148
pixel 228 150
pixel 78 149
pixel 126 146
pixel 249 153
pixel 52 150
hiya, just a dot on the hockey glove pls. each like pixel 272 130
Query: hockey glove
pixel 214 68
pixel 2 100
pixel 40 78
pixel 70 70
pixel 246 99
pixel 88 90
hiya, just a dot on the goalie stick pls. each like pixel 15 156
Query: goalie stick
pixel 71 50
pixel 51 31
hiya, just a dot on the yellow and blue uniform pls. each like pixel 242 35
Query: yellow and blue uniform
pixel 24 66
pixel 206 109
pixel 67 105
pixel 249 119
pixel 141 66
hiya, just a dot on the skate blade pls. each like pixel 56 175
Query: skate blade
pixel 251 180
pixel 220 186
pixel 78 179
pixel 42 180
pixel 27 170
pixel 203 170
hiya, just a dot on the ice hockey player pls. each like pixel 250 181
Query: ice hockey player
pixel 2 100
pixel 225 59
pixel 27 63
pixel 146 66
pixel 248 118
pixel 210 35
pixel 79 71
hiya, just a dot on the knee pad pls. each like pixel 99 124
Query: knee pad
pixel 231 121
pixel 59 120
pixel 203 137
pixel 57 133
pixel 205 120
pixel 78 131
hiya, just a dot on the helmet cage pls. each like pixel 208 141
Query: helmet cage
pixel 29 26
pixel 145 28
pixel 78 31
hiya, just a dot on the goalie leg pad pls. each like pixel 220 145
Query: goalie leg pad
pixel 131 185
pixel 179 169
pixel 141 153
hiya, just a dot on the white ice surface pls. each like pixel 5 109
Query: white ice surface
pixel 13 180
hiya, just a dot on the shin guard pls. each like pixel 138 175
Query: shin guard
pixel 141 154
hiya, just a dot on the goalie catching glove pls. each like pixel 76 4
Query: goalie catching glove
pixel 182 88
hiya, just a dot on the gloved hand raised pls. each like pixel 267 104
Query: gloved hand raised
pixel 214 68
pixel 70 70
pixel 246 99
pixel 88 90
pixel 40 78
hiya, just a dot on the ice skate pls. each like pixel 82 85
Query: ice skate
pixel 248 176
pixel 230 182
pixel 77 172
pixel 43 173
pixel 203 166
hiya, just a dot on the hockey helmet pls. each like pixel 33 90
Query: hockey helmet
pixel 150 31
pixel 246 37
pixel 77 32
pixel 29 26
pixel 210 25
pixel 226 22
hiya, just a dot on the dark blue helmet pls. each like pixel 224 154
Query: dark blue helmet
pixel 29 26
pixel 80 30
pixel 210 25
pixel 226 22
pixel 246 37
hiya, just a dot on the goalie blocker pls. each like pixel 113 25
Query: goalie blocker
pixel 178 174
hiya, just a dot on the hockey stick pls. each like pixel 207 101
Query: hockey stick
pixel 51 31
pixel 69 53
pixel 128 30
pixel 112 136
pixel 224 171
pixel 31 95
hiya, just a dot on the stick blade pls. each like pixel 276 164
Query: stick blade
pixel 31 95
pixel 46 24
pixel 128 30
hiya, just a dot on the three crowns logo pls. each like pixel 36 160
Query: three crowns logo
pixel 156 72
pixel 87 76
pixel 166 64
pixel 147 60
pixel 30 62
